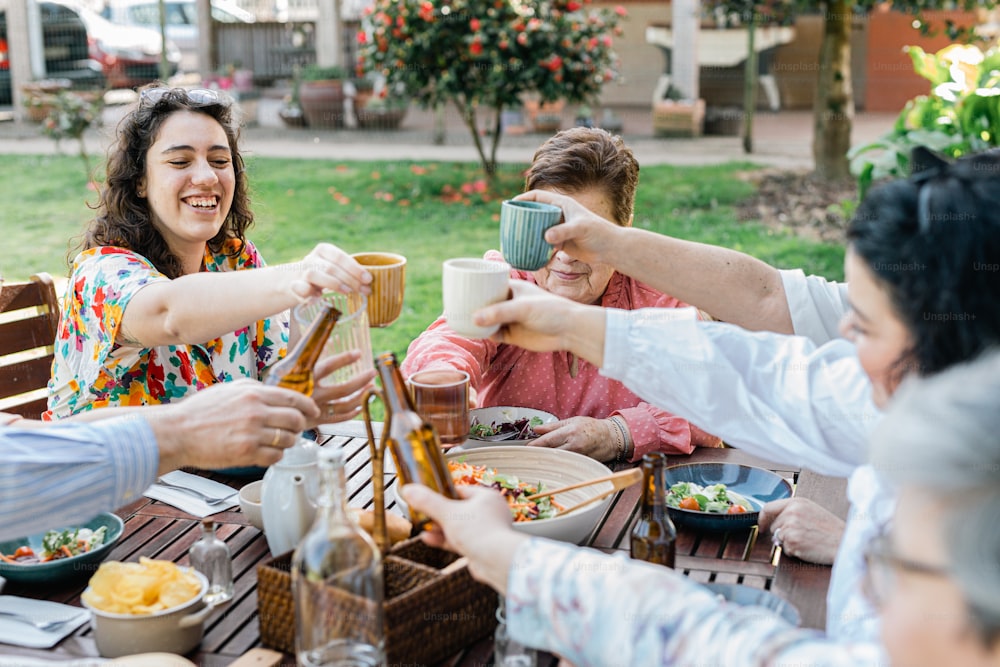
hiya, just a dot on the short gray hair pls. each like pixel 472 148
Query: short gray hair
pixel 943 434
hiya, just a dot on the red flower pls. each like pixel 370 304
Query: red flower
pixel 362 37
pixel 573 6
pixel 474 25
pixel 426 11
pixel 504 44
pixel 620 10
pixel 477 47
pixel 522 39
pixel 554 64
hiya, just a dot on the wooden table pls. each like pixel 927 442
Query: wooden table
pixel 157 530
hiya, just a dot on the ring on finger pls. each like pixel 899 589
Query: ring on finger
pixel 277 437
pixel 776 537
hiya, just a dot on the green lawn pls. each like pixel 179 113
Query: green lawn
pixel 414 208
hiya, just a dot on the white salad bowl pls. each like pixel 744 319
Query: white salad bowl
pixel 553 468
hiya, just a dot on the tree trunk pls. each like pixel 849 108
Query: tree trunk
pixel 834 109
pixel 750 84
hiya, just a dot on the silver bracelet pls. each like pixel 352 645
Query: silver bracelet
pixel 623 448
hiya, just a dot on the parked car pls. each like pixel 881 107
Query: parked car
pixel 130 55
pixel 67 53
pixel 181 21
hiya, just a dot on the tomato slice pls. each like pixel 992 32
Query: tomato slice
pixel 736 509
pixel 24 551
pixel 689 503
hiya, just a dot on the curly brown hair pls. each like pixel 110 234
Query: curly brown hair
pixel 584 157
pixel 123 218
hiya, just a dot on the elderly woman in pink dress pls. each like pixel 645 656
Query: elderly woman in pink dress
pixel 598 416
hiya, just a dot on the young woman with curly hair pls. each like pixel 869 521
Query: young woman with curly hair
pixel 168 295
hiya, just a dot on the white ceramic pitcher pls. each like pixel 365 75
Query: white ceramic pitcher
pixel 288 496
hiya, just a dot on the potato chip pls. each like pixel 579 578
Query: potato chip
pixel 140 588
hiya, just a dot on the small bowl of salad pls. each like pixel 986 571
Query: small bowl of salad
pixel 504 425
pixel 721 496
pixel 61 553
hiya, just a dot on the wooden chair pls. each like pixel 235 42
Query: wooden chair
pixel 29 317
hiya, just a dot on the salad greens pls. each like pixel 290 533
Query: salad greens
pixel 77 541
pixel 523 428
pixel 715 498
pixel 510 487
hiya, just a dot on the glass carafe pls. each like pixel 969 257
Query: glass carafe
pixel 337 582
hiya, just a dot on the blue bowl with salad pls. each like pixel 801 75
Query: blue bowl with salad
pixel 721 496
pixel 61 553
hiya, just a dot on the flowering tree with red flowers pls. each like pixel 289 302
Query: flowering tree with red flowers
pixel 485 54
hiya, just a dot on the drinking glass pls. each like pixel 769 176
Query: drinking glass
pixel 469 284
pixel 507 651
pixel 522 233
pixel 350 333
pixel 388 284
pixel 442 397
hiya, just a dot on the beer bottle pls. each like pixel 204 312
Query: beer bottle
pixel 653 536
pixel 413 442
pixel 295 371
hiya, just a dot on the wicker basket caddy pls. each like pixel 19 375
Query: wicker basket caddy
pixel 429 616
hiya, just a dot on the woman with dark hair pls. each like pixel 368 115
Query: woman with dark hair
pixel 598 417
pixel 168 295
pixel 922 295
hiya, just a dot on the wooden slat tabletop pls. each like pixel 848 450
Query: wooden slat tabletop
pixel 157 530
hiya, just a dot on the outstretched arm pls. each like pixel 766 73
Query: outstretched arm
pixel 742 290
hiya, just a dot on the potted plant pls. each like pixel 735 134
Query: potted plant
pixel 677 117
pixel 321 96
pixel 291 113
pixel 39 97
pixel 363 90
pixel 384 111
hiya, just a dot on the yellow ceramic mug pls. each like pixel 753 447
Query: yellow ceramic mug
pixel 388 283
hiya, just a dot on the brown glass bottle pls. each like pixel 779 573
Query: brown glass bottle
pixel 654 536
pixel 295 371
pixel 413 442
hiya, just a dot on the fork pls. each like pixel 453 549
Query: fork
pixel 209 499
pixel 44 626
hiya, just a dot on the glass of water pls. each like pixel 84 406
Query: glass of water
pixel 507 651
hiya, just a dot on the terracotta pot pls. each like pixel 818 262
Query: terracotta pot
pixel 380 119
pixel 323 103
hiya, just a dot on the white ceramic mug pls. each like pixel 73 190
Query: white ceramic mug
pixel 469 284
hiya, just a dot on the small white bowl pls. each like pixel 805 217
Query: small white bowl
pixel 503 413
pixel 250 504
pixel 554 468
pixel 175 630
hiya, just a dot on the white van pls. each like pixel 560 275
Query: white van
pixel 181 21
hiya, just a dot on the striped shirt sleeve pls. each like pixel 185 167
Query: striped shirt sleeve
pixel 63 474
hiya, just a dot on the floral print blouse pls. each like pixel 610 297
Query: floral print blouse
pixel 597 610
pixel 91 371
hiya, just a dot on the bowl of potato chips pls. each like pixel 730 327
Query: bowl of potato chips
pixel 146 607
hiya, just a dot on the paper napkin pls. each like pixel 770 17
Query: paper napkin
pixel 189 502
pixel 20 633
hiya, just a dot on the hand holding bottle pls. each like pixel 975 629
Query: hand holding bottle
pixel 478 527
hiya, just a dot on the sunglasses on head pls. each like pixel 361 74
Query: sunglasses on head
pixel 201 97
